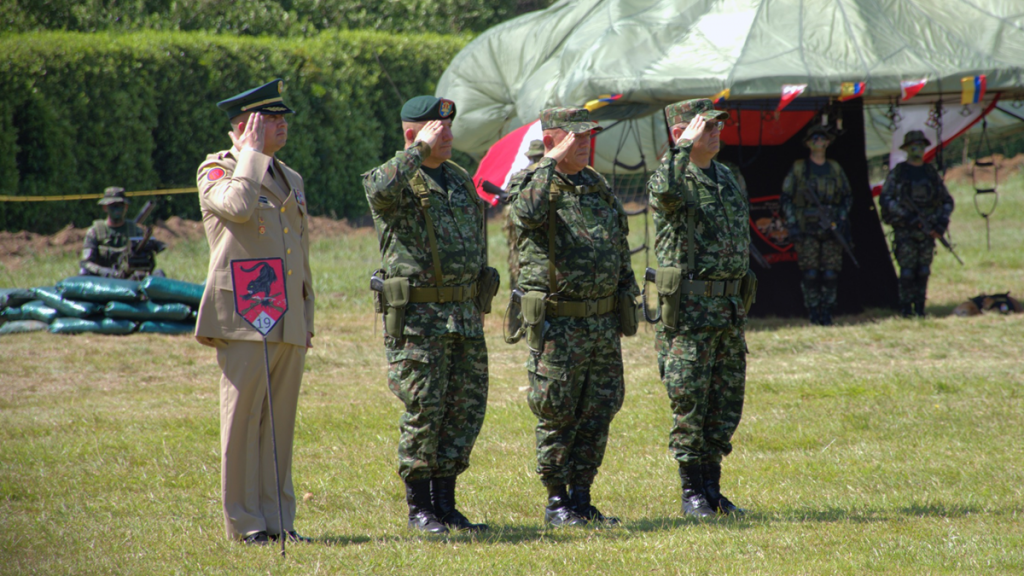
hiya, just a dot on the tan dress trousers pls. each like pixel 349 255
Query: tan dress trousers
pixel 247 458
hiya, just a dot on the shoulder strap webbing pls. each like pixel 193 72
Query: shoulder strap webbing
pixel 420 189
pixel 467 183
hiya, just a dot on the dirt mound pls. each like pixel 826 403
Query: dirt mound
pixel 1006 167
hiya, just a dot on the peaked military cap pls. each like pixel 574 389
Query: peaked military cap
pixel 536 148
pixel 427 108
pixel 818 129
pixel 914 136
pixel 575 120
pixel 687 110
pixel 113 195
pixel 266 99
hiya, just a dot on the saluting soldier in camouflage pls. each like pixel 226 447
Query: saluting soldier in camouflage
pixel 916 203
pixel 107 239
pixel 701 351
pixel 819 254
pixel 437 357
pixel 534 153
pixel 576 373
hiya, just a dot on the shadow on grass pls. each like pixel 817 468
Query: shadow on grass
pixel 869 515
pixel 868 316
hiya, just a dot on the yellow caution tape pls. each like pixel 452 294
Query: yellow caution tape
pixel 95 196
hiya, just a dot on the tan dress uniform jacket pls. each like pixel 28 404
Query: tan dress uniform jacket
pixel 254 206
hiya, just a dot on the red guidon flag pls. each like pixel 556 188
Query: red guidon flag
pixel 260 296
pixel 790 92
pixel 909 88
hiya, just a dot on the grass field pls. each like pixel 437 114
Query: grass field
pixel 877 446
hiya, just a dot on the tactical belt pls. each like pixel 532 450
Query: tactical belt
pixel 444 294
pixel 710 287
pixel 583 308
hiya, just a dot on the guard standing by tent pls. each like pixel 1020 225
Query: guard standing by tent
pixel 916 203
pixel 815 201
pixel 704 290
pixel 433 290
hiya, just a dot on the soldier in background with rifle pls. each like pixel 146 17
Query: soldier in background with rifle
pixel 120 248
pixel 815 201
pixel 916 203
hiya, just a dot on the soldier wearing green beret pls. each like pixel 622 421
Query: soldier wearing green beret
pixel 916 203
pixel 435 287
pixel 819 254
pixel 108 240
pixel 701 221
pixel 580 292
pixel 254 206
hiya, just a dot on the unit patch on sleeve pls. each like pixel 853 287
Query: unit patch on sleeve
pixel 215 174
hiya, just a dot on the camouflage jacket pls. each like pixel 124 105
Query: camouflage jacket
pixel 104 244
pixel 592 257
pixel 833 191
pixel 721 232
pixel 458 218
pixel 930 196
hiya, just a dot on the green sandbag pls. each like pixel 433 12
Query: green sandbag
pixel 80 325
pixel 21 326
pixel 14 314
pixel 168 290
pixel 97 289
pixel 71 308
pixel 13 297
pixel 38 310
pixel 158 327
pixel 147 311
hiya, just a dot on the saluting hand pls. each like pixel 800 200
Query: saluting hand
pixel 694 130
pixel 561 150
pixel 430 134
pixel 252 134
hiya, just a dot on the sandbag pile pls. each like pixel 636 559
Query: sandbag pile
pixel 102 306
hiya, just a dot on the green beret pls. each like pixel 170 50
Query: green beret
pixel 687 110
pixel 113 195
pixel 266 99
pixel 426 108
pixel 575 120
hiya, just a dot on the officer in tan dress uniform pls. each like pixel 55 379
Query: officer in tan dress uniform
pixel 254 206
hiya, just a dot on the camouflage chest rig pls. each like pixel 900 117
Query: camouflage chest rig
pixel 808 214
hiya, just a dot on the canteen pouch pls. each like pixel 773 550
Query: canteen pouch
pixel 488 284
pixel 396 296
pixel 533 305
pixel 629 314
pixel 668 282
pixel 748 290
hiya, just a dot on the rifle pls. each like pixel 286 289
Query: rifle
pixel 756 256
pixel 831 225
pixel 139 259
pixel 919 219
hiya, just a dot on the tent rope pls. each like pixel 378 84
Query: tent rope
pixel 984 140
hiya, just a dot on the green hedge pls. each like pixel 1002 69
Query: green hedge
pixel 80 112
pixel 261 17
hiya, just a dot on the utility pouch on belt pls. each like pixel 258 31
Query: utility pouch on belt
pixel 396 296
pixel 488 284
pixel 629 314
pixel 668 281
pixel 748 290
pixel 377 287
pixel 534 304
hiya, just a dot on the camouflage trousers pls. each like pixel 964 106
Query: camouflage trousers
pixel 442 380
pixel 820 259
pixel 576 388
pixel 705 372
pixel 914 252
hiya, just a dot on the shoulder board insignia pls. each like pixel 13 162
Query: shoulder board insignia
pixel 215 174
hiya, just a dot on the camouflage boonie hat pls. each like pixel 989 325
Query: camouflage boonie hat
pixel 817 129
pixel 113 195
pixel 536 149
pixel 687 110
pixel 914 136
pixel 575 120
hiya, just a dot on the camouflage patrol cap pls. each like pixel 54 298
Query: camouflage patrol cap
pixel 818 129
pixel 914 136
pixel 113 195
pixel 266 99
pixel 536 149
pixel 575 120
pixel 687 110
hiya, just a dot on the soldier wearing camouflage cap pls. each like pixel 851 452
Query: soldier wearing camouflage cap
pixel 702 235
pixel 108 239
pixel 916 203
pixel 579 299
pixel 435 287
pixel 819 254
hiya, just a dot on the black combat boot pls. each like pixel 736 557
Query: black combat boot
pixel 712 489
pixel 579 497
pixel 421 512
pixel 559 511
pixel 919 308
pixel 907 285
pixel 825 316
pixel 814 316
pixel 694 502
pixel 442 496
